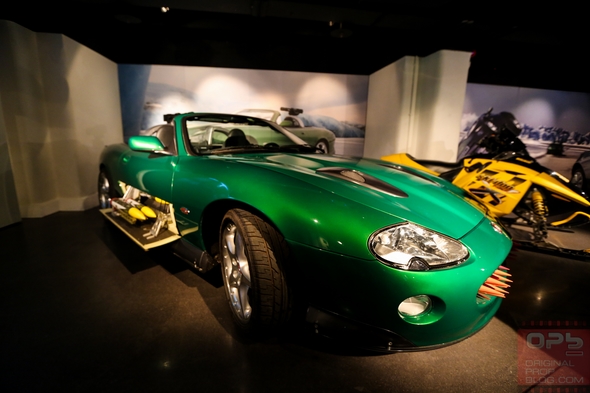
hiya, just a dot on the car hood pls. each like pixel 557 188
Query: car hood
pixel 405 193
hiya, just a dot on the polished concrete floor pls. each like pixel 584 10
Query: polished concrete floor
pixel 85 309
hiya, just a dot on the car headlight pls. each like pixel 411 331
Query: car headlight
pixel 410 247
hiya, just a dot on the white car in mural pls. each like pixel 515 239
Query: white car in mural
pixel 315 136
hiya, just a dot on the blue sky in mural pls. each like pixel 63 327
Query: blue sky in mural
pixel 545 117
pixel 538 109
pixel 133 80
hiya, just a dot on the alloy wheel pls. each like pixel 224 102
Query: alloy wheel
pixel 236 270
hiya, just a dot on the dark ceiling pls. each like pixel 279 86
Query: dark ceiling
pixel 512 44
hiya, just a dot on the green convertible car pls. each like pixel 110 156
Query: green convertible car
pixel 385 256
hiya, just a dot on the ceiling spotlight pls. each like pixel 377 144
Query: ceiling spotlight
pixel 165 9
pixel 341 32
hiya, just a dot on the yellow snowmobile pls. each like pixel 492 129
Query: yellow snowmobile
pixel 528 198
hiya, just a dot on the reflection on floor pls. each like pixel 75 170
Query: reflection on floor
pixel 85 309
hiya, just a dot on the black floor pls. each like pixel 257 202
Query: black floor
pixel 85 309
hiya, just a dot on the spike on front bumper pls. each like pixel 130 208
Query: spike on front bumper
pixel 496 284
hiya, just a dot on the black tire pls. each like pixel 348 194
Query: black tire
pixel 106 190
pixel 323 145
pixel 253 258
pixel 578 178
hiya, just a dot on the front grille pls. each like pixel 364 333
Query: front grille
pixel 495 285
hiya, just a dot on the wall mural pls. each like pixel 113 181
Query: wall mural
pixel 533 141
pixel 554 125
pixel 308 101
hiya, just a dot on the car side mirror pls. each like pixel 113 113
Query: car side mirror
pixel 146 143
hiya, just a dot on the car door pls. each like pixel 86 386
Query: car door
pixel 152 172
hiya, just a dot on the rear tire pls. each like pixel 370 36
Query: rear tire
pixel 106 190
pixel 253 258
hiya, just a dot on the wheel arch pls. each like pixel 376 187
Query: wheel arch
pixel 211 222
pixel 324 141
pixel 213 216
pixel 115 183
pixel 576 166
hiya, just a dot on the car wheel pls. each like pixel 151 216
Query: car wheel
pixel 323 144
pixel 578 179
pixel 253 255
pixel 105 190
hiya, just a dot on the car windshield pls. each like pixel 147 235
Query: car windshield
pixel 266 114
pixel 230 134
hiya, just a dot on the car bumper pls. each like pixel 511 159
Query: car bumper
pixel 367 293
pixel 360 335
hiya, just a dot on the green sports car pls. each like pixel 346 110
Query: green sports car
pixel 384 256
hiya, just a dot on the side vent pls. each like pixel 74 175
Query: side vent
pixel 362 179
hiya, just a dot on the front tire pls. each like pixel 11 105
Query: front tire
pixel 578 179
pixel 253 258
pixel 323 145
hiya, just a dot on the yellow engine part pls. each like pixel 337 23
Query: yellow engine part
pixel 136 213
pixel 148 212
pixel 539 204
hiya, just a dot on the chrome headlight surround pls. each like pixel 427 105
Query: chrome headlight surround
pixel 409 246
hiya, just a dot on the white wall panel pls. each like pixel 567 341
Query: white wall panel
pixel 60 103
pixel 415 106
pixel 9 210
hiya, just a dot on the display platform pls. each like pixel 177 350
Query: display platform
pixel 140 233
